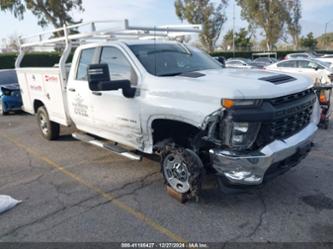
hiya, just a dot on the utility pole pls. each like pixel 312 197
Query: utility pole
pixel 233 31
pixel 325 32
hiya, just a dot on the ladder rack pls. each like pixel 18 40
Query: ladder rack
pixel 68 37
pixel 114 30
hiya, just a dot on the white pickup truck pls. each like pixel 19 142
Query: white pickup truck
pixel 168 98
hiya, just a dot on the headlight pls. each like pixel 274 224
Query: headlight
pixel 230 103
pixel 240 135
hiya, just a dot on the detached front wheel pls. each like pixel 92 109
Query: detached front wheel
pixel 182 170
pixel 49 129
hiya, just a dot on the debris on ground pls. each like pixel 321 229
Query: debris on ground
pixel 7 203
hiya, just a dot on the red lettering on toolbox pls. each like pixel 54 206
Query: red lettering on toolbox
pixel 50 78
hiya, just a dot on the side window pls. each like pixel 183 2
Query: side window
pixel 304 64
pixel 119 66
pixel 287 64
pixel 86 58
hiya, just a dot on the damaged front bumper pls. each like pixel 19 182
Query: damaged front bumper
pixel 251 168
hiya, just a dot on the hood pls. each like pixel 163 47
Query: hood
pixel 228 83
pixel 11 87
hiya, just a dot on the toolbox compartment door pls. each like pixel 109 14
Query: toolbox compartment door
pixel 45 85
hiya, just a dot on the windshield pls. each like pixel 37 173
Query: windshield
pixel 7 77
pixel 172 59
pixel 323 63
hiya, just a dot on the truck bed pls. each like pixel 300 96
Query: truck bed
pixel 44 85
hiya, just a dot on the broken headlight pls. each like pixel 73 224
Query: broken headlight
pixel 240 135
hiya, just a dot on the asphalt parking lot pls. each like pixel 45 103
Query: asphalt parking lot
pixel 72 191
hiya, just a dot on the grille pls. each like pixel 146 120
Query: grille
pixel 290 98
pixel 288 125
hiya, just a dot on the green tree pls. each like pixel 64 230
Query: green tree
pixel 309 41
pixel 270 15
pixel 294 10
pixel 242 40
pixel 227 40
pixel 56 12
pixel 325 41
pixel 206 13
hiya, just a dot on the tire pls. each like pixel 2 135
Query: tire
pixel 183 171
pixel 49 129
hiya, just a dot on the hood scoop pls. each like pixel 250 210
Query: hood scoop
pixel 278 79
pixel 192 74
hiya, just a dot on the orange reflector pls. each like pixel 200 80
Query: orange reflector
pixel 322 99
pixel 228 103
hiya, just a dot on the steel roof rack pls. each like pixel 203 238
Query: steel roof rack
pixel 113 30
pixel 68 37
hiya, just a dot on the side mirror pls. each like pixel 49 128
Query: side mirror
pixel 97 74
pixel 99 80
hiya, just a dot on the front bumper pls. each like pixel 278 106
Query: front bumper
pixel 250 169
pixel 11 104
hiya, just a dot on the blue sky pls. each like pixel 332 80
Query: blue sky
pixel 156 12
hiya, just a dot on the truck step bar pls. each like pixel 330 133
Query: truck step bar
pixel 106 145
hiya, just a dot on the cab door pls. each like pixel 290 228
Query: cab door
pixel 116 117
pixel 78 92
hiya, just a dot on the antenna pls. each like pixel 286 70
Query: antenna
pixel 233 30
pixel 155 62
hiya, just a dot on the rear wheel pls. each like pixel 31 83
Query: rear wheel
pixel 182 170
pixel 49 129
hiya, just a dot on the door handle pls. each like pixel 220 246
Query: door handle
pixel 97 93
pixel 71 89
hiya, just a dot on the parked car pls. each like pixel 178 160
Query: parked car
pixel 220 59
pixel 316 70
pixel 10 97
pixel 262 62
pixel 327 58
pixel 239 63
pixel 309 55
pixel 175 101
pixel 265 60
